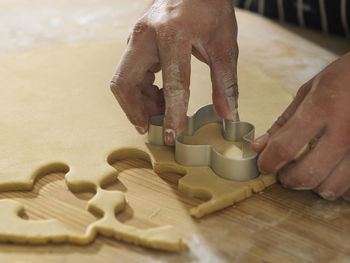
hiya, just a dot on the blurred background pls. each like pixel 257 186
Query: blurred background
pixel 27 25
pixel 285 52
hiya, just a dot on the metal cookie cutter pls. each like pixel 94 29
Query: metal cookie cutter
pixel 237 169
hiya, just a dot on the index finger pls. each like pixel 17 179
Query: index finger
pixel 137 59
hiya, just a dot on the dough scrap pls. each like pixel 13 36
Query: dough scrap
pixel 15 229
pixel 58 115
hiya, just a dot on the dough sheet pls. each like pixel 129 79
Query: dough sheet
pixel 58 114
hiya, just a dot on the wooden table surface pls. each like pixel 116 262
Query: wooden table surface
pixel 277 225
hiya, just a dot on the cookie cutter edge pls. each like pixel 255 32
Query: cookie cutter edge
pixel 236 169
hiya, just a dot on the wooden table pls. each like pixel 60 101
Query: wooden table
pixel 277 225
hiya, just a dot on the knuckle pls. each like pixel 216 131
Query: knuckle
pixel 227 55
pixel 281 120
pixel 167 32
pixel 230 84
pixel 223 57
pixel 229 88
pixel 325 94
pixel 116 84
pixel 323 80
pixel 113 86
pixel 226 83
pixel 139 29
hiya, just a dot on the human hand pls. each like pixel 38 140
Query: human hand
pixel 163 39
pixel 321 107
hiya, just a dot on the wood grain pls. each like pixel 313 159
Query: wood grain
pixel 277 225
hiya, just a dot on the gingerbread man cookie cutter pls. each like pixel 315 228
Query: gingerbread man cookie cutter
pixel 236 169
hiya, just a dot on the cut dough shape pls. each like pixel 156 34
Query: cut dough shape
pixel 57 114
pixel 15 229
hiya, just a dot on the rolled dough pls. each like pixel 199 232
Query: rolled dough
pixel 58 115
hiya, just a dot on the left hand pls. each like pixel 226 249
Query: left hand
pixel 321 107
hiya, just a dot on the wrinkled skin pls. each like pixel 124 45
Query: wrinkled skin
pixel 321 107
pixel 164 39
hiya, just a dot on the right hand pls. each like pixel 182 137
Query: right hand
pixel 164 39
pixel 320 108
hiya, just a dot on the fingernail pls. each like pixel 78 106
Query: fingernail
pixel 328 195
pixel 169 137
pixel 141 130
pixel 262 140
